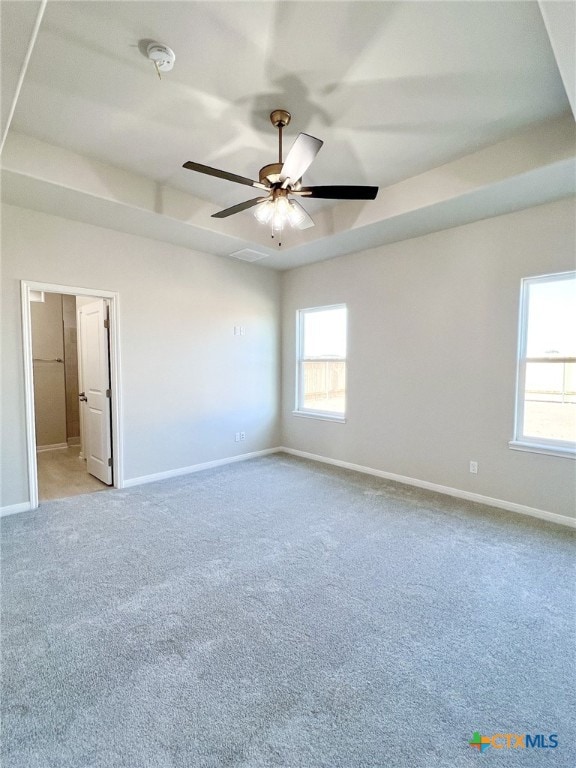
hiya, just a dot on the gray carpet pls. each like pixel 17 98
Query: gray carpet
pixel 279 612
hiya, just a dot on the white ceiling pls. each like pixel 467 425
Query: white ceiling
pixel 397 90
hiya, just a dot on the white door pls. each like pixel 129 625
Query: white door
pixel 95 382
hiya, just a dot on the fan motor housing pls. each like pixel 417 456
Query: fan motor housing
pixel 270 174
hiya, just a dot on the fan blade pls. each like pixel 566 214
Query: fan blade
pixel 223 174
pixel 237 208
pixel 340 192
pixel 302 152
pixel 305 219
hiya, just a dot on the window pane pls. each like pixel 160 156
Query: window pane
pixel 324 386
pixel 549 387
pixel 550 401
pixel 325 333
pixel 552 318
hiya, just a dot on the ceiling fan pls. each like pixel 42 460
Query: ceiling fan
pixel 281 182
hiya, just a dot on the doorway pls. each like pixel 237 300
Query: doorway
pixel 72 390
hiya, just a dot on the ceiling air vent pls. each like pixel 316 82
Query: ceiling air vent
pixel 247 254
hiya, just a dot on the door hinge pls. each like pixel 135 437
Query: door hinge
pixel 108 393
pixel 109 462
pixel 106 323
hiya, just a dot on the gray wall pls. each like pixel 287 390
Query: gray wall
pixel 188 384
pixel 71 369
pixel 433 336
pixel 53 323
pixel 433 327
pixel 49 377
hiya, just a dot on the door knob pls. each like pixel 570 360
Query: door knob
pixel 83 397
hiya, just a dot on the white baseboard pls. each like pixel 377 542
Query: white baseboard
pixel 542 514
pixel 25 506
pixel 196 467
pixel 54 447
pixel 510 506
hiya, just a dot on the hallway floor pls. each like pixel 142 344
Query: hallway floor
pixel 62 473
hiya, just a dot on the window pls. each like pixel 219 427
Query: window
pixel 546 388
pixel 321 362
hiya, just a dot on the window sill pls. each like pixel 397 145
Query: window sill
pixel 320 416
pixel 549 450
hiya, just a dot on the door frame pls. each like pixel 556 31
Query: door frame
pixel 114 336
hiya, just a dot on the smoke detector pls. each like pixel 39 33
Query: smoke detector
pixel 162 57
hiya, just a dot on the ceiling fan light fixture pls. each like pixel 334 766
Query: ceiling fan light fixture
pixel 264 211
pixel 276 211
pixel 296 214
pixel 281 214
pixel 279 211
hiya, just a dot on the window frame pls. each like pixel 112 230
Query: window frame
pixel 522 442
pixel 299 409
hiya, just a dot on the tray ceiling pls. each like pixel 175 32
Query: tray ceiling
pixel 396 90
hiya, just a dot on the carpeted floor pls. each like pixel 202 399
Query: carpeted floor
pixel 278 612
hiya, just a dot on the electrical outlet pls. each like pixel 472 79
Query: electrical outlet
pixel 242 435
pixel 237 437
pixel 474 467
